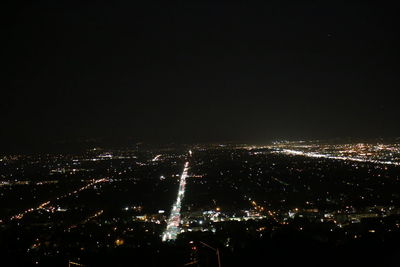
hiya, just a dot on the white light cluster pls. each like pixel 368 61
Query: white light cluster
pixel 328 156
pixel 172 230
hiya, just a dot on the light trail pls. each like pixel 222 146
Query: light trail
pixel 97 214
pixel 327 156
pixel 173 229
pixel 156 157
pixel 47 203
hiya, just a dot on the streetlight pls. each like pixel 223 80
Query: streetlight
pixel 216 250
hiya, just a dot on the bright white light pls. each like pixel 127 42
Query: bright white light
pixel 172 229
pixel 156 158
pixel 327 156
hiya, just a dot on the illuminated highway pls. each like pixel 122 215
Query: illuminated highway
pixel 173 229
pixel 329 156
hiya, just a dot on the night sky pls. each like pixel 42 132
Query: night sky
pixel 198 71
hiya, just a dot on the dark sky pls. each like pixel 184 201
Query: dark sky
pixel 198 70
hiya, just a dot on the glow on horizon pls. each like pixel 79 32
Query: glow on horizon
pixel 327 156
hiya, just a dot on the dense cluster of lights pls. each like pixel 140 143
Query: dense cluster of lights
pixel 258 179
pixel 172 230
pixel 376 153
pixel 330 156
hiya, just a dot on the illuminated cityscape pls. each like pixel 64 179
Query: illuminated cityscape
pixel 169 203
pixel 200 133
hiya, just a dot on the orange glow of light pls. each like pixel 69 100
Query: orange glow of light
pixel 119 242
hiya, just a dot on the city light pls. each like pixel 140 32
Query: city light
pixel 172 230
